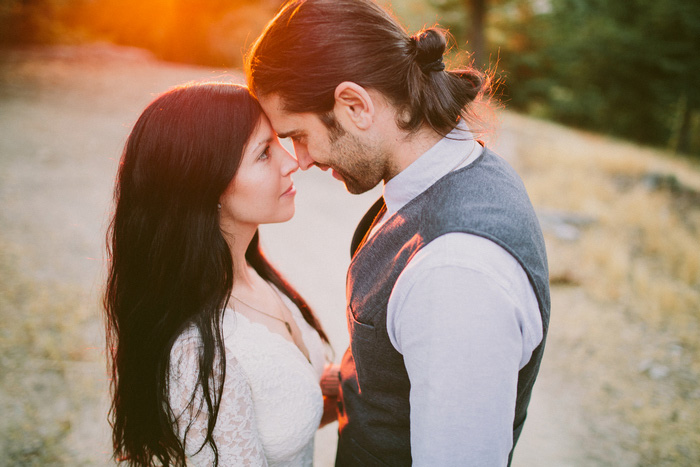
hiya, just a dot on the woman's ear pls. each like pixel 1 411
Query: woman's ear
pixel 353 105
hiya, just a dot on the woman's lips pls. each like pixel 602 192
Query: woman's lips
pixel 290 191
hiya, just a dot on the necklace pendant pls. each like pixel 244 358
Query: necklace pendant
pixel 289 328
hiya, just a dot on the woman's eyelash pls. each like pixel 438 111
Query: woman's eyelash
pixel 265 154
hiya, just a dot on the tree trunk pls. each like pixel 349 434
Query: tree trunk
pixel 680 141
pixel 476 10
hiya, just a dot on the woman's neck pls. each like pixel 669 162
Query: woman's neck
pixel 238 240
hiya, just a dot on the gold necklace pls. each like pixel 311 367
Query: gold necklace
pixel 286 323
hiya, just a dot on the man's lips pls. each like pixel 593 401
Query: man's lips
pixel 337 176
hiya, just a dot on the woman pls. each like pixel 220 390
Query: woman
pixel 214 357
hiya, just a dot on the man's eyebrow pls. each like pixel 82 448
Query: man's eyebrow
pixel 287 134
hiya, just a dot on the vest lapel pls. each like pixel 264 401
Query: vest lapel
pixel 365 225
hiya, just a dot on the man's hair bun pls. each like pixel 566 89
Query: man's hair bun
pixel 429 46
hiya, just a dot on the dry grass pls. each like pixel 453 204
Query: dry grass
pixel 629 326
pixel 43 353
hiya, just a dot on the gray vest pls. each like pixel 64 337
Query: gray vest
pixel 486 198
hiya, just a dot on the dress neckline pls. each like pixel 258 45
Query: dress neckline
pixel 278 335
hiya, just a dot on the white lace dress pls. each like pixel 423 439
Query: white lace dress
pixel 271 405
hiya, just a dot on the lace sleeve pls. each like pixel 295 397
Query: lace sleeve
pixel 235 432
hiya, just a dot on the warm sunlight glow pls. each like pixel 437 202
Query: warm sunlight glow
pixel 207 32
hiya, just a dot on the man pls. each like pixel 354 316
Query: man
pixel 448 299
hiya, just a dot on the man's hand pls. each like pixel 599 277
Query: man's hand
pixel 330 388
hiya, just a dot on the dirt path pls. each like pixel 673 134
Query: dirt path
pixel 64 116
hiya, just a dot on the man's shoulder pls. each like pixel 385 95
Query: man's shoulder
pixel 459 250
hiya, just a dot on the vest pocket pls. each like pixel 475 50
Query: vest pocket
pixel 366 333
pixel 363 339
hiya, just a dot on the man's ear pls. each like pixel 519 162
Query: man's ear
pixel 353 104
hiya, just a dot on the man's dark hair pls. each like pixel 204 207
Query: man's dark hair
pixel 311 46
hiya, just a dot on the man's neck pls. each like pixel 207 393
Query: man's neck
pixel 408 147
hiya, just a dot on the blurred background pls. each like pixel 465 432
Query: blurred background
pixel 624 68
pixel 597 105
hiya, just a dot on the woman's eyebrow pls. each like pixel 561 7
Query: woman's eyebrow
pixel 262 143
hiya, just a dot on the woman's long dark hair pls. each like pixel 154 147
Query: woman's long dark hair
pixel 169 264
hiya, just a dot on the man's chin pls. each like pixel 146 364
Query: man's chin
pixel 356 189
pixel 353 190
pixel 351 184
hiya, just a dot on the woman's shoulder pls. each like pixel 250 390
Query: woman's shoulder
pixel 184 354
pixel 186 350
pixel 189 342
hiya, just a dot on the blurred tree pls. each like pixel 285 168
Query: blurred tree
pixel 477 14
pixel 626 68
pixel 472 25
pixel 630 68
pixel 29 21
pixel 520 33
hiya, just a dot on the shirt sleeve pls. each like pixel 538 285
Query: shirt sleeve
pixel 235 433
pixel 465 324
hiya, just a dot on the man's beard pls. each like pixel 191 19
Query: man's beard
pixel 361 165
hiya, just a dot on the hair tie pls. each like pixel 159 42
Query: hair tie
pixel 436 65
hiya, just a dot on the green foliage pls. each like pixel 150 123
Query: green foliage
pixel 459 26
pixel 628 69
pixel 625 68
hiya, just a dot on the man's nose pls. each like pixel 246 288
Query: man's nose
pixel 289 164
pixel 303 156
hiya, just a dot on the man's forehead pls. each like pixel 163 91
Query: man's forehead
pixel 272 102
pixel 284 122
pixel 275 111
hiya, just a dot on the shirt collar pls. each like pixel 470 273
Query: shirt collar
pixel 456 149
